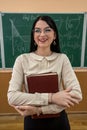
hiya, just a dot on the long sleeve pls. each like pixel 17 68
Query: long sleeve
pixel 52 109
pixel 69 78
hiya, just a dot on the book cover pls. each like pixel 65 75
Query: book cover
pixel 43 83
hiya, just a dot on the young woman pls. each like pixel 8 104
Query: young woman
pixel 44 57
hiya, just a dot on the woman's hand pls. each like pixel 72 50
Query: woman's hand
pixel 65 98
pixel 27 110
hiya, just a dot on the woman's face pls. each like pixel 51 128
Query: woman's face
pixel 43 34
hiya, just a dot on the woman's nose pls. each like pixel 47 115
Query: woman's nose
pixel 42 33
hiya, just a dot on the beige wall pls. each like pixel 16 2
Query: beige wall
pixel 43 5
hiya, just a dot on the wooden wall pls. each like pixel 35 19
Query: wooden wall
pixel 4 83
pixel 5 76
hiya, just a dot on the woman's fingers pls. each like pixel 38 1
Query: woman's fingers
pixel 68 89
pixel 22 107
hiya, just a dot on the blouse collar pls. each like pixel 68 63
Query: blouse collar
pixel 40 58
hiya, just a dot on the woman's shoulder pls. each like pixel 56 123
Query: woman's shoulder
pixel 23 57
pixel 62 55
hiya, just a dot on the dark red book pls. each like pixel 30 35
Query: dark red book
pixel 43 83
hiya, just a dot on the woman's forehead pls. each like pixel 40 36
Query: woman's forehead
pixel 41 24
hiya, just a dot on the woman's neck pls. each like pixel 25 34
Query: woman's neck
pixel 44 52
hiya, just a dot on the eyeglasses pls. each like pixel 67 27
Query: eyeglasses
pixel 38 31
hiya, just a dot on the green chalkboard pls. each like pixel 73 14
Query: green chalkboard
pixel 16 34
pixel 85 64
pixel 0 57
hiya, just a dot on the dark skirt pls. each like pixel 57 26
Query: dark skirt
pixel 57 123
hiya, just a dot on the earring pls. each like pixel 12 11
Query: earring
pixel 54 43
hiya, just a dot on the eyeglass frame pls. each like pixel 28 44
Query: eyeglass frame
pixel 46 31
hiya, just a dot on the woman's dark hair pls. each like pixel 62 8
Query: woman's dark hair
pixel 51 23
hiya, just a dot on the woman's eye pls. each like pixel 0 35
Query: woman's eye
pixel 40 31
pixel 47 30
pixel 37 30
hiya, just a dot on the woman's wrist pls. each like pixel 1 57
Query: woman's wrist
pixel 50 96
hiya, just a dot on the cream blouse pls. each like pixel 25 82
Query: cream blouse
pixel 31 63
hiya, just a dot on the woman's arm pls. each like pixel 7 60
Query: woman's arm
pixel 70 80
pixel 63 100
pixel 15 94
